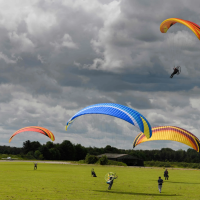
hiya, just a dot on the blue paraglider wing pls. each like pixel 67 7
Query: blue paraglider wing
pixel 119 111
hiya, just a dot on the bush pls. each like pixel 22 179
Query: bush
pixel 41 157
pixel 171 164
pixel 195 165
pixel 167 164
pixel 157 164
pixel 184 165
pixel 90 159
pixel 113 162
pixel 81 161
pixel 149 163
pixel 103 160
pixel 37 154
pixel 29 155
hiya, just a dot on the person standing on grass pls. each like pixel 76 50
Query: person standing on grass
pixel 166 174
pixel 35 166
pixel 160 182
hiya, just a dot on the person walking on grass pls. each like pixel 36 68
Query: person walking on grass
pixel 160 182
pixel 112 177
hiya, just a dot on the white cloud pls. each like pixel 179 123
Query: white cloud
pixel 68 42
pixel 6 59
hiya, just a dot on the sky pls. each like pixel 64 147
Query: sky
pixel 59 56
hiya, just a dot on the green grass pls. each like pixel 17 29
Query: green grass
pixel 60 181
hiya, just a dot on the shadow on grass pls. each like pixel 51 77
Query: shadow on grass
pixel 165 181
pixel 135 193
pixel 181 182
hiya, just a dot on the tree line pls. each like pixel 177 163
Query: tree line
pixel 75 152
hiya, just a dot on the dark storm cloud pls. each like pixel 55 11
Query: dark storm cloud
pixel 153 78
pixel 58 57
pixel 130 79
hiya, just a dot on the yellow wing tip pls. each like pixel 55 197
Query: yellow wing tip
pixel 66 128
pixel 52 138
pixel 148 137
pixel 146 128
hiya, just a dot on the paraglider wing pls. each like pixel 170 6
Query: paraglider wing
pixel 119 111
pixel 172 133
pixel 166 24
pixel 110 176
pixel 38 129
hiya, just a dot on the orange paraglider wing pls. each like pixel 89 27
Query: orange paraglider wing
pixel 166 24
pixel 38 129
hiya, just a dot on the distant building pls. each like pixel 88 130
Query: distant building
pixel 125 158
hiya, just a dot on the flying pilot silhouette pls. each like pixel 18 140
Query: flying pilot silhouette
pixel 177 70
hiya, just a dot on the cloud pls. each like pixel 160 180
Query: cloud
pixel 6 59
pixel 58 57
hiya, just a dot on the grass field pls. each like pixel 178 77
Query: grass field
pixel 63 181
